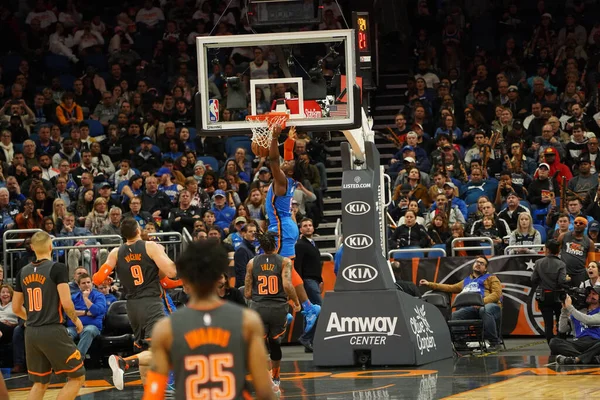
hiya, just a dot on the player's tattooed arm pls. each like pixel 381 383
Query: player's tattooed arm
pixel 248 280
pixel 287 283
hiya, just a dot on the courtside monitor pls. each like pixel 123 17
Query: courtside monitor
pixel 309 75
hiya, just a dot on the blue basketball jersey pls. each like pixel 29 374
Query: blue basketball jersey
pixel 279 212
pixel 280 207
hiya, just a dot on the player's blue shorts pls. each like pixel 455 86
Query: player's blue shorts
pixel 287 238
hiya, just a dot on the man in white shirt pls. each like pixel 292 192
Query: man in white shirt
pixel 149 16
pixel 42 14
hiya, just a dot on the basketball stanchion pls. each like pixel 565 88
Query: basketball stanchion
pixel 366 320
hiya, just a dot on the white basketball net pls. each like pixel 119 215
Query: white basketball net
pixel 263 134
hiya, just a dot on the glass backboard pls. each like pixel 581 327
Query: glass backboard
pixel 306 74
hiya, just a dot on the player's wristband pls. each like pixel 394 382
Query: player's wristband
pixel 103 273
pixel 155 386
pixel 170 283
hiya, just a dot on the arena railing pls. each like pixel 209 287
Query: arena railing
pixel 326 256
pixel 186 239
pixel 522 246
pixel 8 252
pixel 338 233
pixel 473 239
pixel 418 250
pixel 173 242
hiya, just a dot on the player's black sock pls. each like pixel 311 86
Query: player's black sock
pixel 132 362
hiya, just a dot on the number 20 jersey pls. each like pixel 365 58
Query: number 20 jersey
pixel 209 353
pixel 267 281
pixel 137 272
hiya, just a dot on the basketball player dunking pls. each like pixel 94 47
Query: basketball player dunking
pixel 279 211
pixel 41 294
pixel 269 284
pixel 138 265
pixel 211 344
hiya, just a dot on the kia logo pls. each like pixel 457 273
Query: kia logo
pixel 358 241
pixel 359 273
pixel 357 208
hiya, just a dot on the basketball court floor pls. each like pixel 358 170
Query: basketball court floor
pixel 521 372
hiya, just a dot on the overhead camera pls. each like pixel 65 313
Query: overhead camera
pixel 290 61
pixel 333 52
pixel 233 82
pixel 215 61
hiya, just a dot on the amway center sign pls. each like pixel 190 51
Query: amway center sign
pixel 372 331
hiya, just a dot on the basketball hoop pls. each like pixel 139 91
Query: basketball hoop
pixel 263 134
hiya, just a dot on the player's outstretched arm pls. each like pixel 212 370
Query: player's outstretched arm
pixel 158 376
pixel 288 286
pixel 248 280
pixel 257 355
pixel 279 179
pixel 107 268
pixel 162 260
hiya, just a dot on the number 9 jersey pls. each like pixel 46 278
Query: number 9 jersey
pixel 137 272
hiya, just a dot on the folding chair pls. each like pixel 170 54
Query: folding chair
pixel 467 330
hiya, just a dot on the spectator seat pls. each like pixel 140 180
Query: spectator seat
pixel 57 64
pixel 66 81
pixel 117 334
pixel 467 330
pixel 542 230
pixel 408 255
pixel 208 160
pixel 96 128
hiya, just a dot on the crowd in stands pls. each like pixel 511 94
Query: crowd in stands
pixel 499 133
pixel 97 123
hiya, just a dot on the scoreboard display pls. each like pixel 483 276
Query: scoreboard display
pixel 284 12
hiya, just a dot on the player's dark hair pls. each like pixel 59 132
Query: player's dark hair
pixel 202 264
pixel 129 227
pixel 267 241
pixel 553 246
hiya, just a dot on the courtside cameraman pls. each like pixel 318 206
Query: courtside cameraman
pixel 585 324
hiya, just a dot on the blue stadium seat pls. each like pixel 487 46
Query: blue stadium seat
pixel 409 255
pixel 234 142
pixel 192 133
pixel 57 64
pixel 471 208
pixel 542 230
pixel 208 160
pixel 525 204
pixel 96 128
pixel 11 62
pixel 96 60
pixel 66 81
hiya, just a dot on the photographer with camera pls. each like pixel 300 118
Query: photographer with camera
pixel 550 276
pixel 585 324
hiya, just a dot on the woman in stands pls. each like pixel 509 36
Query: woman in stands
pixel 59 209
pixel 175 150
pixel 438 230
pixel 48 226
pixel 410 234
pixel 134 188
pixel 413 205
pixel 30 218
pixel 525 234
pixel 182 165
pixel 200 198
pixel 237 185
pixel 233 168
pixel 233 199
pixel 448 127
pixel 83 207
pixel 593 274
pixel 8 319
pixel 504 122
pixel 209 182
pixel 97 219
pixel 101 161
